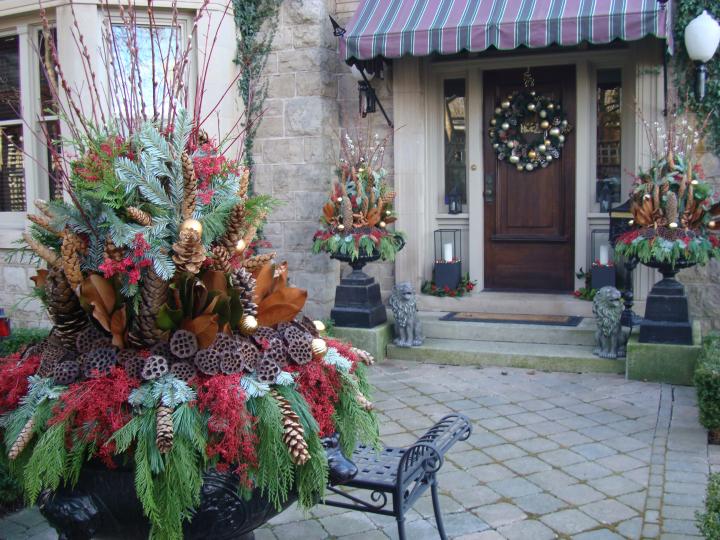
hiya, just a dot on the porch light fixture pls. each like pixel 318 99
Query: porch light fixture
pixel 702 36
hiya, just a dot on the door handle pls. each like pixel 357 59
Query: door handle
pixel 489 193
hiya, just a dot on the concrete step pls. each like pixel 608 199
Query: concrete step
pixel 433 327
pixel 541 357
pixel 509 302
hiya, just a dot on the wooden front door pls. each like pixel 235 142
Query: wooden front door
pixel 530 216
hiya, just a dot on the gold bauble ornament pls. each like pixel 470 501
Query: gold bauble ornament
pixel 631 222
pixel 532 154
pixel 248 325
pixel 531 106
pixel 543 113
pixel 319 326
pixel 319 348
pixel 339 199
pixel 561 138
pixel 712 224
pixel 694 182
pixel 193 224
pixel 505 126
pixel 382 224
pixel 514 159
pixel 549 157
pixel 542 148
pixel 529 167
pixel 240 246
pixel 544 124
pixel 550 106
pixel 493 122
pixel 547 142
pixel 554 132
pixel 341 227
pixel 673 225
pixel 505 104
pixel 510 144
pixel 497 110
pixel 388 212
pixel 519 167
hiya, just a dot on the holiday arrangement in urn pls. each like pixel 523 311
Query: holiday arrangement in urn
pixel 175 348
pixel 356 218
pixel 674 210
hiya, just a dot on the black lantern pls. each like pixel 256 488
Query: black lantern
pixel 368 99
pixel 602 268
pixel 621 221
pixel 447 271
pixel 454 202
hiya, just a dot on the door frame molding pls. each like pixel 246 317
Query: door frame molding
pixel 417 91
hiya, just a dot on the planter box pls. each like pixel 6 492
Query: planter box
pixel 447 274
pixel 602 276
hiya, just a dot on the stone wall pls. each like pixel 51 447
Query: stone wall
pixel 15 288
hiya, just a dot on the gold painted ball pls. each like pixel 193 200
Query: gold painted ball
pixel 547 142
pixel 554 132
pixel 673 225
pixel 493 121
pixel 192 224
pixel 505 126
pixel 382 224
pixel 514 159
pixel 542 147
pixel 531 106
pixel 551 106
pixel 520 167
pixel 319 348
pixel 248 325
pixel 339 199
pixel 341 227
pixel 529 167
pixel 510 144
pixel 712 224
pixel 543 113
pixel 532 154
pixel 240 246
pixel 497 110
pixel 561 138
pixel 544 124
pixel 505 104
pixel 319 326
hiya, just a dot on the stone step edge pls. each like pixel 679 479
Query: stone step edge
pixel 571 363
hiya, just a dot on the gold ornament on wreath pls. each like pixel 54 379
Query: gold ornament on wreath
pixel 527 129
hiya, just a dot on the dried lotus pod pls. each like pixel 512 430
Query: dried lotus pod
pixel 101 342
pixel 264 333
pixel 224 344
pixel 266 370
pixel 277 351
pixel 34 350
pixel 308 325
pixel 84 340
pixel 125 355
pixel 155 367
pixel 46 367
pixel 66 372
pixel 232 363
pixel 183 344
pixel 54 354
pixel 208 361
pixel 299 345
pixel 162 348
pixel 99 362
pixel 250 353
pixel 134 367
pixel 183 371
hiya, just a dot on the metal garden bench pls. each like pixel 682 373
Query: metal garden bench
pixel 404 474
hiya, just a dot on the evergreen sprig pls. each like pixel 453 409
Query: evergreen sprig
pixel 352 421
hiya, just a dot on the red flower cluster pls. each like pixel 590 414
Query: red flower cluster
pixel 127 266
pixel 95 163
pixel 629 236
pixel 96 409
pixel 14 375
pixel 319 384
pixel 714 241
pixel 230 425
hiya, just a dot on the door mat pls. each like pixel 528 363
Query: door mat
pixel 511 318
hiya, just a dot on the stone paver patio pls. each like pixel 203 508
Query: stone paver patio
pixel 552 455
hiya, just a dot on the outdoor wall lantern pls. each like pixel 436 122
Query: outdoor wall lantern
pixel 454 202
pixel 702 36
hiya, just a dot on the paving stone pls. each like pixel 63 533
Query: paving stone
pixel 560 457
pixel 302 530
pixel 490 473
pixel 527 465
pixel 569 521
pixel 514 487
pixel 680 526
pixel 593 451
pixel 587 470
pixel 630 528
pixel 499 514
pixel 549 480
pixel 485 535
pixel 578 494
pixel 602 534
pixel 651 530
pixel 504 452
pixel 569 438
pixel 608 511
pixel 540 503
pixel 417 530
pixel 537 444
pixel 464 523
pixel 349 523
pixel 522 530
pixel 614 485
pixel 680 512
pixel 477 496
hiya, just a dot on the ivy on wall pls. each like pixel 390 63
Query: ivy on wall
pixel 256 22
pixel 686 11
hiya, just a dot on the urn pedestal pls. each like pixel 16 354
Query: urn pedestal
pixel 667 316
pixel 357 299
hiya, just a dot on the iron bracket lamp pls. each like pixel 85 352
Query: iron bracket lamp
pixel 702 36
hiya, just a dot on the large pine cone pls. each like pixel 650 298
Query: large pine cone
pixel 64 308
pixel 234 227
pixel 72 247
pixel 189 186
pixel 244 282
pixel 189 251
pixel 153 294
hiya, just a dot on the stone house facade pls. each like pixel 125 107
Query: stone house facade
pixel 313 99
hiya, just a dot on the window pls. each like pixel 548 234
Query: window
pixel 455 139
pixel 609 115
pixel 12 175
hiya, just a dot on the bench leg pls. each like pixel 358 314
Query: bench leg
pixel 401 526
pixel 436 509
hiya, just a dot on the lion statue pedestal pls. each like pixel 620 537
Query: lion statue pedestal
pixel 610 338
pixel 408 330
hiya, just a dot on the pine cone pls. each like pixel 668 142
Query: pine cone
pixel 244 183
pixel 364 356
pixel 294 434
pixel 245 284
pixel 42 251
pixel 64 308
pixel 153 294
pixel 671 207
pixel 164 428
pixel 221 259
pixel 250 235
pixel 139 216
pixel 256 262
pixel 189 251
pixel 189 186
pixel 72 247
pixel 26 433
pixel 364 402
pixel 233 227
pixel 44 207
pixel 112 251
pixel 347 213
pixel 44 222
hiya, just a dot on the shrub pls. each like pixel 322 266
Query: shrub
pixel 20 337
pixel 707 383
pixel 709 522
pixel 10 491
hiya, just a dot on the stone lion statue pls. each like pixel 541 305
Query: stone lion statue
pixel 610 339
pixel 408 332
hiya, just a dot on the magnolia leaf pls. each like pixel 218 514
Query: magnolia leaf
pixel 215 297
pixel 264 282
pixel 280 276
pixel 168 319
pixel 205 328
pixel 215 280
pixel 40 278
pixel 289 295
pixel 105 290
pixel 373 216
pixel 90 295
pixel 118 322
pixel 277 314
pixel 329 211
pixel 391 219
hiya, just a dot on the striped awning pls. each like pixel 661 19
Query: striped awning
pixel 394 28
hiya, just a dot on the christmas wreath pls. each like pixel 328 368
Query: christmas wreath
pixel 356 218
pixel 528 130
pixel 174 350
pixel 674 210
